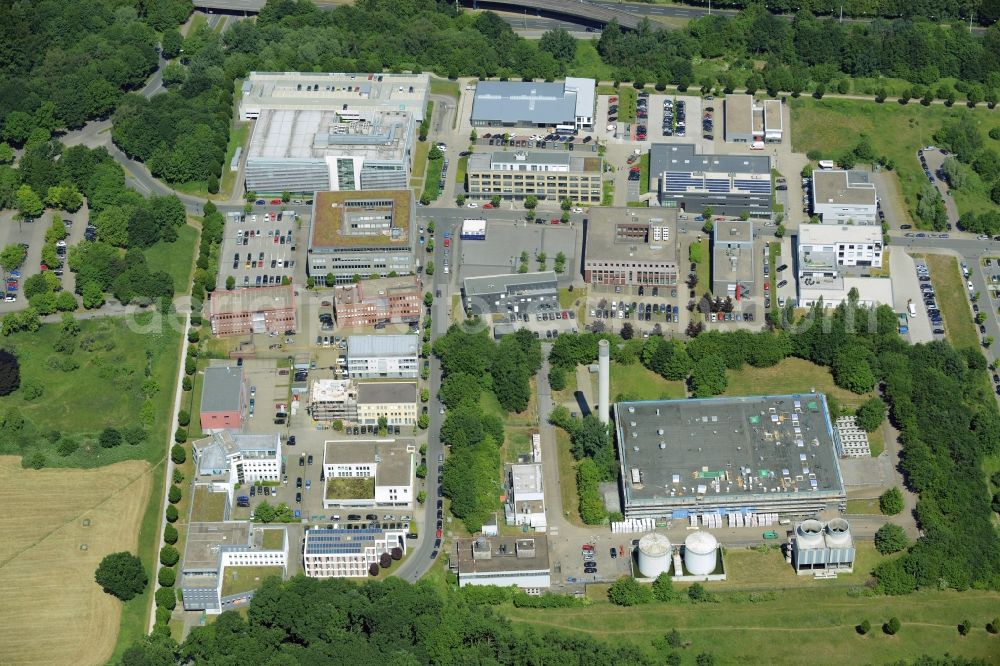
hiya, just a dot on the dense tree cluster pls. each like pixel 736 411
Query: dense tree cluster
pixel 935 9
pixel 471 364
pixel 336 621
pixel 63 62
pixel 807 51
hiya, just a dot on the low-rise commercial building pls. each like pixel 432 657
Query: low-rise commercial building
pixel 237 458
pixel 747 121
pixel 225 561
pixel 525 503
pixel 373 302
pixel 367 473
pixel 333 399
pixel 844 197
pixel 732 258
pixel 825 250
pixel 310 150
pixel 730 185
pixel 512 293
pixel 366 234
pixel 256 310
pixel 334 90
pixel 396 402
pixel 542 174
pixel 382 356
pixel 832 291
pixel 341 553
pixel 504 561
pixel 631 246
pixel 223 399
pixel 764 453
pixel 568 103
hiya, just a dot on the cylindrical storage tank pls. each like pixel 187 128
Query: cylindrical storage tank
pixel 699 553
pixel 654 554
pixel 838 534
pixel 809 534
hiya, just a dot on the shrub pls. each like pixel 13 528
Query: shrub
pixel 385 560
pixel 170 534
pixel 178 454
pixel 663 588
pixel 186 384
pixel 166 598
pixel 626 591
pixel 171 514
pixel 193 336
pixel 190 366
pixel 892 626
pixel 891 502
pixel 864 627
pixel 178 476
pixel 373 570
pixel 397 553
pixel 174 495
pixel 167 577
pixel 162 616
pixel 121 575
pixel 181 435
pixel 169 556
pixel 183 418
pixel 134 434
pixel 890 538
pixel 964 627
pixel 994 626
pixel 697 592
pixel 67 447
pixel 110 438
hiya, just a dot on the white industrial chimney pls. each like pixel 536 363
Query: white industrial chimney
pixel 603 380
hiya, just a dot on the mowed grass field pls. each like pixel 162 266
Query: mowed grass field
pixel 814 626
pixel 792 375
pixel 52 611
pixel 951 297
pixel 834 126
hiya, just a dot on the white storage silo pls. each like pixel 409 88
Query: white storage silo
pixel 838 534
pixel 699 553
pixel 654 554
pixel 809 534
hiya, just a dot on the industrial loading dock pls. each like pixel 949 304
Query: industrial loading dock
pixel 726 455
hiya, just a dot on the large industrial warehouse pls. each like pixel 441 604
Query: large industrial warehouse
pixel 725 455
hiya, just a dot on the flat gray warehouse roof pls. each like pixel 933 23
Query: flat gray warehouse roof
pixel 604 243
pixel 515 101
pixel 221 392
pixel 380 393
pixel 852 188
pixel 746 449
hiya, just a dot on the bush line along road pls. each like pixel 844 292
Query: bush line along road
pixel 168 139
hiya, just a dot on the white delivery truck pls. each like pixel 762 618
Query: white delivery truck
pixel 912 308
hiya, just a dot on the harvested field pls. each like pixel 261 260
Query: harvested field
pixel 52 611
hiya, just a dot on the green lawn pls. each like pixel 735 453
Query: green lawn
pixel 444 87
pixel 946 276
pixel 237 580
pixel 567 478
pixel 208 507
pixel 608 193
pixel 105 390
pixel 463 165
pixel 832 126
pixel 814 625
pixel 704 267
pixel 517 442
pixel 876 442
pixel 644 173
pixel 641 383
pixel 792 375
pixel 350 488
pixel 238 134
pixel 175 258
pixel 588 64
pixel 432 182
pixel 863 507
pixel 273 539
pixel 420 160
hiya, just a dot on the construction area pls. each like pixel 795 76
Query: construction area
pixel 728 455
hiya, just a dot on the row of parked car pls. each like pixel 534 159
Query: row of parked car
pixel 669 112
pixel 930 302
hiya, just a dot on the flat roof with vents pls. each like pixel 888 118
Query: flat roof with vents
pixel 727 452
pixel 639 234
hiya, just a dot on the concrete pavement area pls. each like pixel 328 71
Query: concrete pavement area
pixel 906 288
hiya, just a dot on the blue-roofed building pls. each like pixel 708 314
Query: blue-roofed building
pixel 534 104
pixel 728 184
pixel 342 553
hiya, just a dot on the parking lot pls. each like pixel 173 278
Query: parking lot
pixel 262 248
pixel 694 109
pixel 578 561
pixel 928 300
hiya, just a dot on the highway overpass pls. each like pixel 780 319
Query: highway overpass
pixel 579 11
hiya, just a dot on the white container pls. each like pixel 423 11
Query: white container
pixel 654 555
pixel 699 553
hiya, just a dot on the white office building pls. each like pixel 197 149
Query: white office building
pixel 234 458
pixel 844 197
pixel 341 553
pixel 367 473
pixel 525 497
pixel 825 249
pixel 382 356
pixel 504 561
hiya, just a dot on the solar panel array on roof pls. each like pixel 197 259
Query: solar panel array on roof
pixel 340 542
pixel 756 186
pixel 717 184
